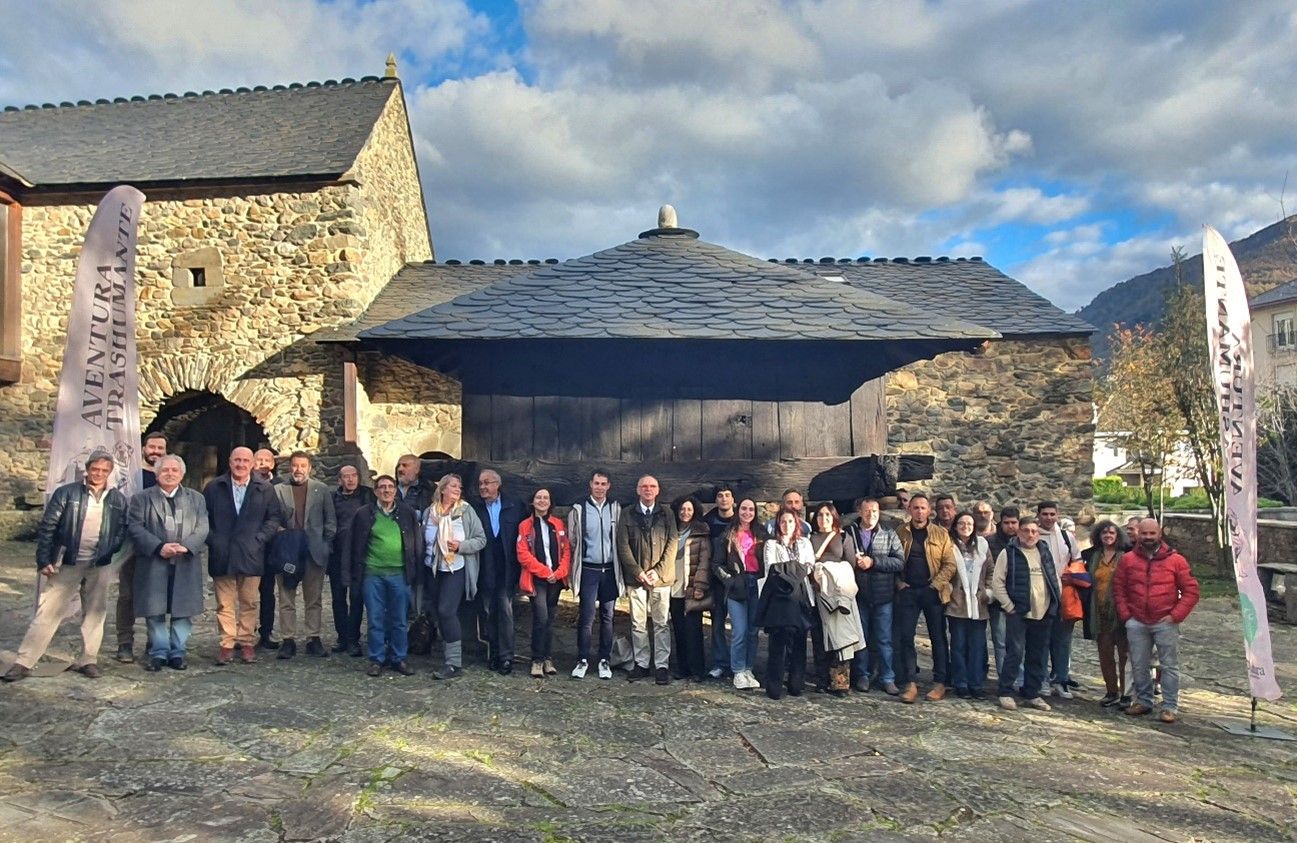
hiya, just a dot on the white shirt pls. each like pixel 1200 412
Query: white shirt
pixel 1063 550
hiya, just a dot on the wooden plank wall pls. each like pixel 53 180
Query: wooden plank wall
pixel 564 429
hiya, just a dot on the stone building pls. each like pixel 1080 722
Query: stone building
pixel 271 214
pixel 283 224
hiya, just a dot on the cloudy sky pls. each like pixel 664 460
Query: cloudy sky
pixel 1071 144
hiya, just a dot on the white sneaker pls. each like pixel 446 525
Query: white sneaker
pixel 741 680
pixel 716 672
pixel 1008 704
pixel 1060 690
pixel 1039 704
pixel 605 669
pixel 753 684
pixel 578 672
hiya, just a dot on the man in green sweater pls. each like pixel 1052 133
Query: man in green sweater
pixel 386 546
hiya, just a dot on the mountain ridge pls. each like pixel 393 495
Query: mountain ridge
pixel 1266 258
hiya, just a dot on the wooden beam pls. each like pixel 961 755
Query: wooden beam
pixel 822 478
pixel 349 409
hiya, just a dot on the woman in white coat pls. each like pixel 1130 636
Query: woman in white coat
pixel 967 613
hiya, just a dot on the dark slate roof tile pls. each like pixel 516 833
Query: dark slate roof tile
pixel 250 134
pixel 414 288
pixel 962 289
pixel 646 287
pixel 1279 295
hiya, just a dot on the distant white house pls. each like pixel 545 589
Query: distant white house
pixel 1111 460
pixel 1274 336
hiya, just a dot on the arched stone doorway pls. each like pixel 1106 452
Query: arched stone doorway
pixel 203 427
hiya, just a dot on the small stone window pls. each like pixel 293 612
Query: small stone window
pixel 10 290
pixel 197 278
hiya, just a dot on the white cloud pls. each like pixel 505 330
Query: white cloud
pixel 806 127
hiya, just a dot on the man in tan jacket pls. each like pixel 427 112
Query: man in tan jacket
pixel 923 589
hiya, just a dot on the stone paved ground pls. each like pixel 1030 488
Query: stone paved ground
pixel 312 749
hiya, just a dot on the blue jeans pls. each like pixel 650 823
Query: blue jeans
pixel 598 596
pixel 720 609
pixel 387 601
pixel 967 653
pixel 997 635
pixel 876 621
pixel 1060 651
pixel 1166 638
pixel 1026 649
pixel 743 628
pixel 164 643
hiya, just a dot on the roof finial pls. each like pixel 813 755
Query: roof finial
pixel 667 217
pixel 390 73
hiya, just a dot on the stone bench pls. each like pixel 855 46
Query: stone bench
pixel 1285 590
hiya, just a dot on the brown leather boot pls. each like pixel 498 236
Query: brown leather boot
pixel 938 693
pixel 910 694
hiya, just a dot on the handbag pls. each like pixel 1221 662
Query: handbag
pixel 703 604
pixel 420 634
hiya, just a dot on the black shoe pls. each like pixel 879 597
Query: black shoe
pixel 314 647
pixel 861 685
pixel 506 668
pixel 287 648
pixel 1123 703
pixel 1109 700
pixel 178 663
pixel 636 673
pixel 124 654
pixel 976 693
pixel 796 689
pixel 267 644
pixel 340 647
pixel 448 672
pixel 403 668
pixel 356 652
pixel 1072 683
pixel 375 669
pixel 962 693
pixel 16 673
pixel 663 676
pixel 154 665
pixel 775 691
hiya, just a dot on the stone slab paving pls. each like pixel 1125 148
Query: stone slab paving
pixel 312 749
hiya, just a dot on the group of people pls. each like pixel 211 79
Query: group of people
pixel 855 587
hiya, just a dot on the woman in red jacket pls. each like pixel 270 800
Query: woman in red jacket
pixel 545 556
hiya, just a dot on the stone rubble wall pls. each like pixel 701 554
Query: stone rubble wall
pixel 1013 424
pixel 409 409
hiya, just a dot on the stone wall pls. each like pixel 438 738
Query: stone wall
pixel 1190 533
pixel 406 409
pixel 1012 424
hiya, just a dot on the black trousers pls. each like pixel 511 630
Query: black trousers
pixel 267 589
pixel 495 618
pixel 787 652
pixel 543 608
pixel 348 610
pixel 688 628
pixel 910 603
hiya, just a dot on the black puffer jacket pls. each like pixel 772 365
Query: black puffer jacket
pixel 59 534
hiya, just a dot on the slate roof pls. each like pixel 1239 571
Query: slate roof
pixel 418 286
pixel 670 284
pixel 956 287
pixel 1279 295
pixel 311 130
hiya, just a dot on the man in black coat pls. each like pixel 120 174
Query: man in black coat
pixel 498 580
pixel 348 602
pixel 244 513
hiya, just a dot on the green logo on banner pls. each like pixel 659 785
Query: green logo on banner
pixel 1249 617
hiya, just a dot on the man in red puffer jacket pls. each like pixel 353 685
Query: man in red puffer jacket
pixel 1154 593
